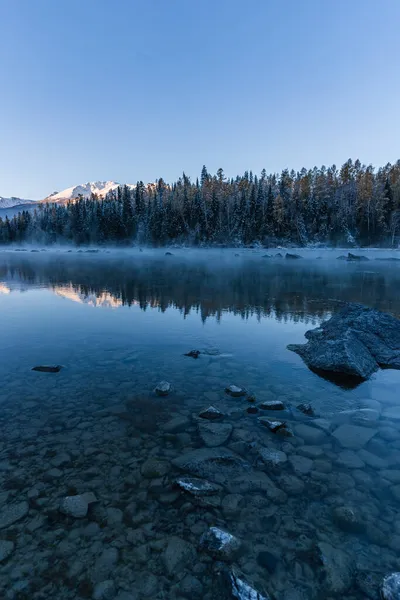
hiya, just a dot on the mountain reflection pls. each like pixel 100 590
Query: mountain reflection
pixel 304 291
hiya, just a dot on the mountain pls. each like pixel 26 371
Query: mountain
pixel 10 202
pixel 100 188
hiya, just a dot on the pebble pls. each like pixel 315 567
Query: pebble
pixel 300 464
pixel 214 434
pixel 163 388
pixel 104 590
pixel 11 513
pixel 235 391
pixel 6 549
pixel 311 435
pixel 211 413
pixel 272 405
pixel 220 544
pixel 153 468
pixel 77 506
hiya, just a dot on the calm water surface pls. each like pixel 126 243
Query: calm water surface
pixel 322 524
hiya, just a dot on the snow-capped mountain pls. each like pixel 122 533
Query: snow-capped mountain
pixel 10 202
pixel 100 188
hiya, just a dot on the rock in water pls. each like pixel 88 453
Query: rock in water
pixel 307 409
pixel 214 434
pixel 235 391
pixel 163 388
pixel 355 341
pixel 211 414
pixel 356 257
pixel 237 588
pixel 391 587
pixel 197 486
pixel 48 368
pixel 272 405
pixel 193 353
pixel 220 544
pixel 11 513
pixel 292 256
pixel 217 464
pixel 168 254
pixel 276 426
pixel 77 506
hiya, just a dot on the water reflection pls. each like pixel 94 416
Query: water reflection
pixel 301 292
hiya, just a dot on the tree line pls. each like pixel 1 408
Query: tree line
pixel 354 204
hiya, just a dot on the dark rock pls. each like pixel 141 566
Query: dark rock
pixel 220 544
pixel 356 257
pixel 48 368
pixel 391 587
pixel 278 255
pixel 214 434
pixel 235 391
pixel 369 584
pixel 307 409
pixel 178 554
pixel 292 256
pixel 193 353
pixel 278 427
pixel 354 342
pixel 168 254
pixel 11 513
pixel 234 586
pixel 266 256
pixel 267 560
pixel 252 410
pixel 6 549
pixel 342 257
pixel 347 519
pixel 211 413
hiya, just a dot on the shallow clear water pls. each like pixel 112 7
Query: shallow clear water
pixel 118 324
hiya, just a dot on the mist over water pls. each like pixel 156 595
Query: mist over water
pixel 119 322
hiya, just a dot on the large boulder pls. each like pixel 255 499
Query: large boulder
pixel 355 342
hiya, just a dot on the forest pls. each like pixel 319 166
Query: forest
pixel 352 205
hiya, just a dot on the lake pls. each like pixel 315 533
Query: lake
pixel 316 514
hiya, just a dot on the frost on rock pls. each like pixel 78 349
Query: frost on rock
pixel 211 413
pixel 163 388
pixel 391 587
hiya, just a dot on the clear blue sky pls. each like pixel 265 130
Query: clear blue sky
pixel 141 89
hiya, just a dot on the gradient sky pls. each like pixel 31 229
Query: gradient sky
pixel 141 89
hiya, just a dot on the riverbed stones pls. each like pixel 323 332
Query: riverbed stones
pixel 153 468
pixel 390 589
pixel 211 414
pixel 11 513
pixel 235 391
pixel 216 464
pixel 372 460
pixel 163 388
pixel 278 427
pixel 220 544
pixel 350 460
pixel 355 342
pixel 272 458
pixel 301 465
pixel 6 549
pixel 353 436
pixel 77 506
pixel 291 484
pixel 176 425
pixel 311 435
pixel 178 554
pixel 257 481
pixel 306 408
pixel 347 519
pixel 198 487
pixel 337 567
pixel 104 590
pixel 214 434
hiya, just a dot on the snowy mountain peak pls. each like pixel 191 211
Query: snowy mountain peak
pixel 9 202
pixel 100 188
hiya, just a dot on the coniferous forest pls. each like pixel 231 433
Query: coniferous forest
pixel 355 204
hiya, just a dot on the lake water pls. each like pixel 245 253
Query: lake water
pixel 322 523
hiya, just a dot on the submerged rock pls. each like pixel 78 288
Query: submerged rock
pixel 168 254
pixel 220 544
pixel 337 566
pixel 214 434
pixel 197 486
pixel 391 587
pixel 235 391
pixel 347 519
pixel 307 409
pixel 272 458
pixel 211 413
pixel 292 256
pixel 163 388
pixel 236 587
pixel 11 513
pixel 77 506
pixel 48 368
pixel 6 549
pixel 355 342
pixel 217 464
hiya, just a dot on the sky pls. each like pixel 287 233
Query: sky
pixel 140 89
